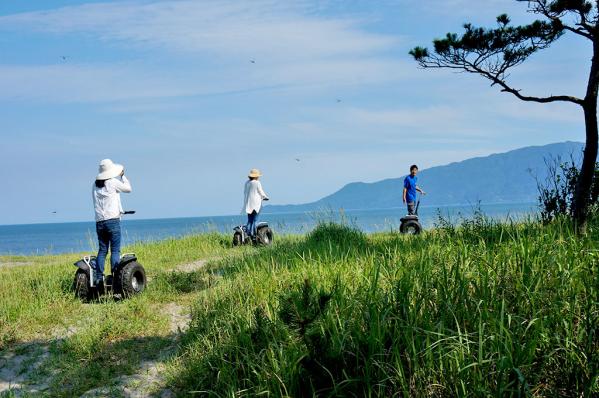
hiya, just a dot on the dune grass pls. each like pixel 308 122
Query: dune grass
pixel 485 309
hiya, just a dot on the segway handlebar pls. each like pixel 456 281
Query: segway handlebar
pixel 129 212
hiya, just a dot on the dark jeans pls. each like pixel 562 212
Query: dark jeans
pixel 411 208
pixel 252 222
pixel 109 234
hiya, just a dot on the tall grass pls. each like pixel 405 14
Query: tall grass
pixel 481 309
pixel 485 309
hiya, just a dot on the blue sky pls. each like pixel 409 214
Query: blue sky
pixel 169 89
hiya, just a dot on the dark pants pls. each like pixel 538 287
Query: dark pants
pixel 252 223
pixel 411 208
pixel 109 234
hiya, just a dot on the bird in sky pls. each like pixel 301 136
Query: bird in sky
pixel 253 61
pixel 64 57
pixel 338 100
pixel 53 212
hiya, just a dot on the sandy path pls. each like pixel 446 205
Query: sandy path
pixel 192 267
pixel 11 264
pixel 150 379
pixel 19 367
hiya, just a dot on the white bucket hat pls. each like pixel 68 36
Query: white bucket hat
pixel 254 173
pixel 108 169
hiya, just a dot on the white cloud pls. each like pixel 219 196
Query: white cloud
pixel 211 44
pixel 82 83
pixel 232 28
pixel 134 81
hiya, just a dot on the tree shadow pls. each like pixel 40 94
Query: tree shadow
pixel 107 367
pixel 21 368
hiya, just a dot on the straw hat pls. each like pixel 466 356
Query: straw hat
pixel 254 173
pixel 108 169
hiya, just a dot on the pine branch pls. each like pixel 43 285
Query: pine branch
pixel 495 78
pixel 491 53
pixel 555 11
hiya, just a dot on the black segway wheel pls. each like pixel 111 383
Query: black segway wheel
pixel 265 236
pixel 410 227
pixel 81 285
pixel 237 239
pixel 131 280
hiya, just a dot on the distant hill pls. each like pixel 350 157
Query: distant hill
pixel 499 178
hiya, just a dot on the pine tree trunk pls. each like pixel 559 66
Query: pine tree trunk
pixel 587 171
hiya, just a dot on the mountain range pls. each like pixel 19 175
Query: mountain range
pixel 509 177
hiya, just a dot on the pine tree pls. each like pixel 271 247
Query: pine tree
pixel 492 52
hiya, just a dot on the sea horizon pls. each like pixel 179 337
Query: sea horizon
pixel 79 236
pixel 279 213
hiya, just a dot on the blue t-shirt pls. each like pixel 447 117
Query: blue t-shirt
pixel 409 183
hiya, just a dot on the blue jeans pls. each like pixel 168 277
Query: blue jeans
pixel 252 223
pixel 109 234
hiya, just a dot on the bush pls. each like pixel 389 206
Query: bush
pixel 337 235
pixel 556 194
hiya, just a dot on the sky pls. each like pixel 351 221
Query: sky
pixel 190 95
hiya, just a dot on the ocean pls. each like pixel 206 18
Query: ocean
pixel 77 237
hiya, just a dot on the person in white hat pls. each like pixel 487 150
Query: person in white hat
pixel 109 184
pixel 253 197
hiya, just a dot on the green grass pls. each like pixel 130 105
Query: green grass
pixel 486 309
pixel 92 343
pixel 483 310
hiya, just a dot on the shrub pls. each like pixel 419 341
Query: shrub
pixel 556 193
pixel 337 235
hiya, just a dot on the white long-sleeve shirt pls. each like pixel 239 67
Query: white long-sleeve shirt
pixel 107 200
pixel 253 195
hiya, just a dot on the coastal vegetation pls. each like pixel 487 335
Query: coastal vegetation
pixel 484 308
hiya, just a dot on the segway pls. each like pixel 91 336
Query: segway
pixel 410 224
pixel 127 279
pixel 264 235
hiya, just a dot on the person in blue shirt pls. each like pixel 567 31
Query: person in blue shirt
pixel 410 188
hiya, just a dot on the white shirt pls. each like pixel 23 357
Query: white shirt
pixel 107 200
pixel 253 195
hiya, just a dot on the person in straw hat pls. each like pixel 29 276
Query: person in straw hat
pixel 253 197
pixel 109 184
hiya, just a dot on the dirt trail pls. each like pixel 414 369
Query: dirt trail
pixel 19 368
pixel 192 267
pixel 150 379
pixel 11 264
